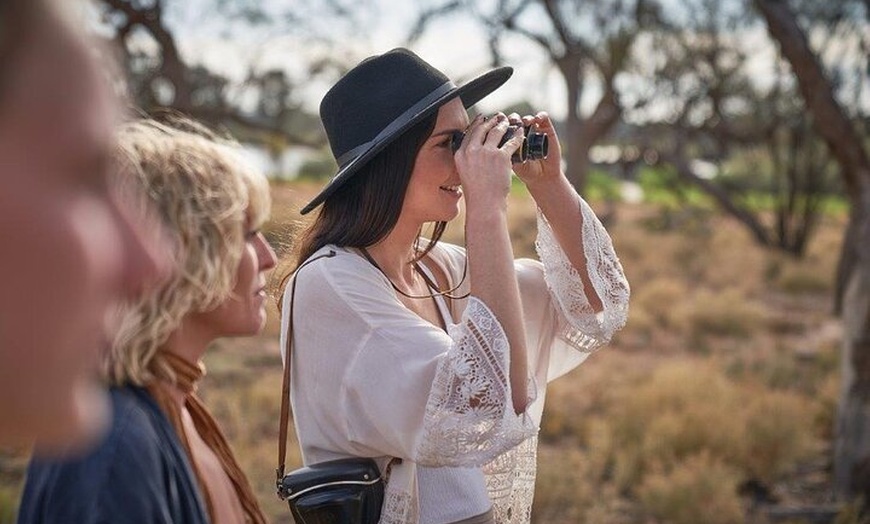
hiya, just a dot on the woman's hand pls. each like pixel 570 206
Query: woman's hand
pixel 485 172
pixel 484 167
pixel 533 172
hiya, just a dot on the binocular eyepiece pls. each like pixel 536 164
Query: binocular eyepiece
pixel 535 145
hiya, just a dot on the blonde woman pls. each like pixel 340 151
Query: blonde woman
pixel 164 459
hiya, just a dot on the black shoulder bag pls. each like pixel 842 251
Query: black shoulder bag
pixel 344 491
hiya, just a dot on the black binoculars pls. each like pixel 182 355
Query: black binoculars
pixel 535 145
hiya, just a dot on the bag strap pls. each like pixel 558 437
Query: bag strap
pixel 285 387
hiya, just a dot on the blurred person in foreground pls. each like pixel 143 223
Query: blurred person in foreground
pixel 165 460
pixel 71 249
pixel 442 353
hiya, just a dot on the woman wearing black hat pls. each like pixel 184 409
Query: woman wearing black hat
pixel 407 348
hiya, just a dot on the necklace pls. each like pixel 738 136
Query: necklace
pixel 429 284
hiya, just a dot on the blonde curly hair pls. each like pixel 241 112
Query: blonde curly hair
pixel 207 197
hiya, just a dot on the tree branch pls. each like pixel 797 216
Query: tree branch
pixel 829 119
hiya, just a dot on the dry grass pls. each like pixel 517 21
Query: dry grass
pixel 726 371
pixel 701 489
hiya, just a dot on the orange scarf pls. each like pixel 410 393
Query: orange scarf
pixel 186 377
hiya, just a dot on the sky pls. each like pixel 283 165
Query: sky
pixel 456 46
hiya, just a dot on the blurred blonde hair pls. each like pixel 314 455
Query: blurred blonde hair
pixel 207 198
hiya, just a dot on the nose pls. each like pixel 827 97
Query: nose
pixel 265 253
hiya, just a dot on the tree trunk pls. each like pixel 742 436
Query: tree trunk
pixel 852 446
pixel 583 133
pixel 576 153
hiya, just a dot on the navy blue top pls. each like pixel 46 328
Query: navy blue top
pixel 139 473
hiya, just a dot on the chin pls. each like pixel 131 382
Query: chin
pixel 85 420
pixel 255 326
pixel 446 216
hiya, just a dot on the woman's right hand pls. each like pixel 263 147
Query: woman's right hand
pixel 484 168
pixel 485 172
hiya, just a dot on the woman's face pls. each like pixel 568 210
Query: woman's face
pixel 434 192
pixel 244 311
pixel 71 250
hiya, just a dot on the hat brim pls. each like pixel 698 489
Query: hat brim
pixel 470 93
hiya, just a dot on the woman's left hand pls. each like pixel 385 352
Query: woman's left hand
pixel 535 171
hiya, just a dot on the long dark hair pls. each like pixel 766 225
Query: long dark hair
pixel 367 207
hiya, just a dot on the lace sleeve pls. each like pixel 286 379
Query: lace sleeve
pixel 582 327
pixel 469 416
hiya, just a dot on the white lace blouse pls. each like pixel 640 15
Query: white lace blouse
pixel 371 378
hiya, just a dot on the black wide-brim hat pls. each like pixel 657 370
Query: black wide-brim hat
pixel 381 98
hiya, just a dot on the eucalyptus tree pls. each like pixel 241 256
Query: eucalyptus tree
pixel 257 95
pixel 589 42
pixel 848 145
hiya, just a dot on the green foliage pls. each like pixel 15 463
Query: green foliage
pixel 601 186
pixel 320 168
pixel 662 186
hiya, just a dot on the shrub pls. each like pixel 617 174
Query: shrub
pixel 657 302
pixel 728 313
pixel 732 260
pixel 701 489
pixel 802 279
pixel 683 409
pixel 779 434
pixel 688 408
pixel 559 488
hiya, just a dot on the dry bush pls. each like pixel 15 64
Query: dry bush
pixel 726 313
pixel 649 256
pixel 630 436
pixel 657 304
pixel 683 409
pixel 568 490
pixel 827 399
pixel 801 278
pixel 730 260
pixel 701 489
pixel 780 433
pixel 580 399
pixel 687 408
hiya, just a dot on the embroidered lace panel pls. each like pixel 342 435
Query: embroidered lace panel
pixel 469 416
pixel 510 481
pixel 584 329
pixel 399 507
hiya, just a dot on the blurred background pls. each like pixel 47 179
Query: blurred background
pixel 724 143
